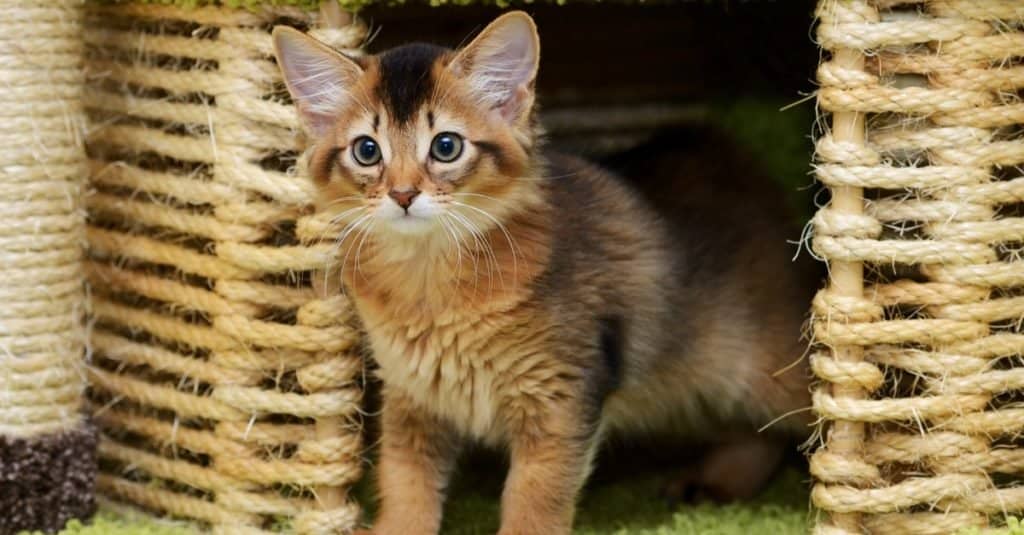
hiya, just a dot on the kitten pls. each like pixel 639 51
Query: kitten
pixel 532 301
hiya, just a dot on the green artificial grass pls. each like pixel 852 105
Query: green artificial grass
pixel 623 507
pixel 1013 527
pixel 108 523
pixel 633 507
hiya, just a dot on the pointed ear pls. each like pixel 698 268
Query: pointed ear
pixel 500 65
pixel 317 76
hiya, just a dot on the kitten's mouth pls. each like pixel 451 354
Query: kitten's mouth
pixel 407 223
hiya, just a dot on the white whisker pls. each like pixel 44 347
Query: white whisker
pixel 476 261
pixel 483 244
pixel 504 230
pixel 354 226
pixel 359 248
pixel 454 241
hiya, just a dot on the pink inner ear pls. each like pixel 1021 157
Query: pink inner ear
pixel 319 123
pixel 517 55
pixel 502 66
pixel 514 106
pixel 318 79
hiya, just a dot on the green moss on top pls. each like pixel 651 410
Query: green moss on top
pixel 248 4
pixel 352 5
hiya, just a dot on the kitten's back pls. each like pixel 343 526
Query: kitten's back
pixel 730 306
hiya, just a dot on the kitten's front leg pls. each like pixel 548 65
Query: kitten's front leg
pixel 551 457
pixel 417 455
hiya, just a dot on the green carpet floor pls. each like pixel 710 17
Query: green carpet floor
pixel 634 507
pixel 623 507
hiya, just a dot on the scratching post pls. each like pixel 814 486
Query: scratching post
pixel 226 381
pixel 47 447
pixel 919 326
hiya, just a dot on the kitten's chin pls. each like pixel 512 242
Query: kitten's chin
pixel 411 225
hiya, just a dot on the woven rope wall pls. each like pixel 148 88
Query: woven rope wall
pixel 921 323
pixel 226 378
pixel 47 448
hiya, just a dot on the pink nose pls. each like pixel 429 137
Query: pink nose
pixel 404 198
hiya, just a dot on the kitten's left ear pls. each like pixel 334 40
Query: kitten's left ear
pixel 500 65
pixel 318 77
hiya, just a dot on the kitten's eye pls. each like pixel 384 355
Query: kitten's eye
pixel 446 147
pixel 366 151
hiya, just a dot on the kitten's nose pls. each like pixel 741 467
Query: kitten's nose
pixel 404 198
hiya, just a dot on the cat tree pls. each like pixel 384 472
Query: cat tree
pixel 225 378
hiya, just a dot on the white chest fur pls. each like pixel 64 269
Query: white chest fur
pixel 450 367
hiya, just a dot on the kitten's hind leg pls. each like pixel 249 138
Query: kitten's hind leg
pixel 736 469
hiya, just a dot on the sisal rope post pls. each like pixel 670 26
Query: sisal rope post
pixel 47 446
pixel 846 280
pixel 845 438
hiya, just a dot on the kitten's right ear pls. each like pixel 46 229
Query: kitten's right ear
pixel 500 64
pixel 318 77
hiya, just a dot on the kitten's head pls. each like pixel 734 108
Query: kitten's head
pixel 419 137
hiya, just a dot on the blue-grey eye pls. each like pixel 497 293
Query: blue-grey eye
pixel 446 147
pixel 366 151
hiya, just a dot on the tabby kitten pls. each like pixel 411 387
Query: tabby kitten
pixel 530 300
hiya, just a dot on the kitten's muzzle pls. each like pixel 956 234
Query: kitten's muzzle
pixel 404 198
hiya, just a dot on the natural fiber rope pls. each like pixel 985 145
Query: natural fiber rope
pixel 42 169
pixel 928 150
pixel 204 308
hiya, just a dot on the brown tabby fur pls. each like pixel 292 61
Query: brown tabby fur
pixel 544 303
